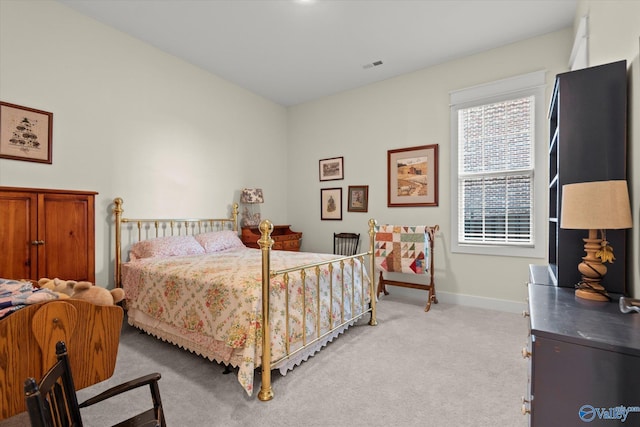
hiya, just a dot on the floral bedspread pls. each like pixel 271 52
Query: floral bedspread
pixel 215 300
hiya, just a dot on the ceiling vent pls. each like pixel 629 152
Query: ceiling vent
pixel 371 65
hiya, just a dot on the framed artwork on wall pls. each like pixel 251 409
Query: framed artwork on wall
pixel 331 204
pixel 358 198
pixel 332 169
pixel 25 133
pixel 412 176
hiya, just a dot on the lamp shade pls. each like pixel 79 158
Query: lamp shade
pixel 596 205
pixel 251 195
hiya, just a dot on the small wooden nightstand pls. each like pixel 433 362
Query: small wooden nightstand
pixel 283 237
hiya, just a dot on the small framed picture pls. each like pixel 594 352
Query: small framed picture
pixel 412 176
pixel 331 169
pixel 358 198
pixel 25 133
pixel 331 203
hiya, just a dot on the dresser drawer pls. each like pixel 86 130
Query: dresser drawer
pixel 291 245
pixel 286 245
pixel 284 239
pixel 288 237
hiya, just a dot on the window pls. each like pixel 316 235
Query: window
pixel 497 195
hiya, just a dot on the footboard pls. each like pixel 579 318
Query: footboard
pixel 265 243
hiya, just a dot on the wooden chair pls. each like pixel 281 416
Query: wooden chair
pixel 345 243
pixel 53 402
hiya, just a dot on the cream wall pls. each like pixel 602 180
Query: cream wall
pixel 614 34
pixel 132 121
pixel 171 139
pixel 411 110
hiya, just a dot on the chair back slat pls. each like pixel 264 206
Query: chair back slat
pixel 346 243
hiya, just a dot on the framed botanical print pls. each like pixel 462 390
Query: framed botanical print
pixel 412 176
pixel 331 203
pixel 25 133
pixel 358 198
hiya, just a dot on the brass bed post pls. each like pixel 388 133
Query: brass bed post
pixel 234 216
pixel 117 210
pixel 372 265
pixel 265 243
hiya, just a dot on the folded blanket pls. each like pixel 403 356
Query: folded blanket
pixel 15 294
pixel 402 249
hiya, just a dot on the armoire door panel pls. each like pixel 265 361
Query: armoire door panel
pixel 67 234
pixel 18 234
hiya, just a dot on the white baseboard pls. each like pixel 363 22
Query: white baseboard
pixel 467 300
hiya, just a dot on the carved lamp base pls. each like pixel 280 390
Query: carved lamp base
pixel 592 270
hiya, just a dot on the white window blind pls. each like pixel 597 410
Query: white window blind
pixel 496 172
pixel 497 142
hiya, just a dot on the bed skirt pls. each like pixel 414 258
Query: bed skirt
pixel 218 351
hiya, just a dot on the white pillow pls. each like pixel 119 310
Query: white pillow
pixel 216 241
pixel 166 247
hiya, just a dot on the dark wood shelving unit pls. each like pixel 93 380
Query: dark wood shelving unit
pixel 587 142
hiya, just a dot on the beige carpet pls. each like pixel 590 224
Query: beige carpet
pixel 453 366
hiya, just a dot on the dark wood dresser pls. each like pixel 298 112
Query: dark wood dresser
pixel 584 358
pixel 283 238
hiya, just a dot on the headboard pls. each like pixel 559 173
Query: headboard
pixel 159 227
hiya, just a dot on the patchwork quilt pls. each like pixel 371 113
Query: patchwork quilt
pixel 15 294
pixel 402 249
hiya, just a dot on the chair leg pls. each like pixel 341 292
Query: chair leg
pixel 157 402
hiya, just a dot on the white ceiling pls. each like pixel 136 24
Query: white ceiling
pixel 293 51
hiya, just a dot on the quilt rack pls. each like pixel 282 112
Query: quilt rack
pixel 406 249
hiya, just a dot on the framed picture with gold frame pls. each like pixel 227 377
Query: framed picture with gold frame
pixel 25 133
pixel 358 198
pixel 412 176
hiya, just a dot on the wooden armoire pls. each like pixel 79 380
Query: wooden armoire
pixel 47 233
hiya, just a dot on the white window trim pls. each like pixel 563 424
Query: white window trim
pixel 523 85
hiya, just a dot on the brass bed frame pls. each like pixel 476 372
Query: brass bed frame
pixel 157 227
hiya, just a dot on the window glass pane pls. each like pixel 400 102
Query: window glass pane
pixel 496 172
pixel 496 209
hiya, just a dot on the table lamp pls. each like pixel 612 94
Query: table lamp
pixel 593 206
pixel 251 196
